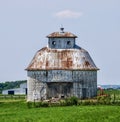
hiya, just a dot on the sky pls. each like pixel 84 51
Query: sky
pixel 24 25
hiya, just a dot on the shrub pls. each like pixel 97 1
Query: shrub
pixel 44 104
pixel 55 104
pixel 37 104
pixel 86 102
pixel 71 101
pixel 105 99
pixel 62 103
pixel 68 102
pixel 74 100
pixel 29 104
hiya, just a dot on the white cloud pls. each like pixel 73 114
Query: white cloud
pixel 68 14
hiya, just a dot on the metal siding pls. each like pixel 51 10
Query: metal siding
pixel 37 84
pixel 61 43
pixel 36 89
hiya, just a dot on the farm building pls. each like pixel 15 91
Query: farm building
pixel 62 69
pixel 17 91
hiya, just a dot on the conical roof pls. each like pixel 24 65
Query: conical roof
pixel 61 35
pixel 62 59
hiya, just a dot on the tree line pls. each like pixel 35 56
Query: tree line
pixel 11 84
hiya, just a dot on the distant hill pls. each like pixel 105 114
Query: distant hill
pixel 110 86
pixel 11 85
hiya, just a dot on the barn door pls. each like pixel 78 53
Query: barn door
pixel 11 92
pixel 84 93
pixel 59 89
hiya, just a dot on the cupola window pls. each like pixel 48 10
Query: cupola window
pixel 68 42
pixel 53 43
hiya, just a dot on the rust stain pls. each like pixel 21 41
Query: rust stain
pixel 61 35
pixel 75 59
pixel 47 63
pixel 87 63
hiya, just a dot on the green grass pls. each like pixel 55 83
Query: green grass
pixel 112 91
pixel 17 111
pixel 13 97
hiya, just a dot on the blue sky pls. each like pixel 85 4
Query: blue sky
pixel 24 25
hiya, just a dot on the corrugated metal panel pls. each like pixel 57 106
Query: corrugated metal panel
pixel 61 35
pixel 54 83
pixel 67 59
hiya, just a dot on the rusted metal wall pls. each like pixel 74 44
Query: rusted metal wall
pixel 61 43
pixel 82 84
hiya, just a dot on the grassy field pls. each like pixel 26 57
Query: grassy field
pixel 17 111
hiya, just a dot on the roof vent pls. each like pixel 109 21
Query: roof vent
pixel 62 30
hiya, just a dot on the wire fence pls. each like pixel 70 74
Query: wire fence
pixel 12 97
